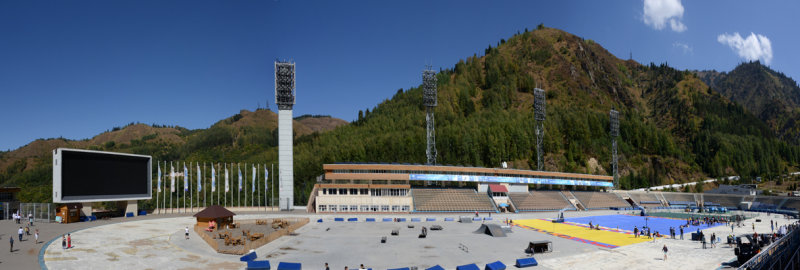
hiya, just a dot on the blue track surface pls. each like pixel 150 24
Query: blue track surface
pixel 626 222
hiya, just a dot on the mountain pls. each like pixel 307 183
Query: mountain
pixel 768 94
pixel 673 127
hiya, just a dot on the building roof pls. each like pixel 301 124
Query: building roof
pixel 72 205
pixel 498 188
pixel 214 211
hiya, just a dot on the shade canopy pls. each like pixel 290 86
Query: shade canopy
pixel 214 211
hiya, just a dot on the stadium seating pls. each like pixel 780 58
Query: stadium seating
pixel 645 199
pixel 679 197
pixel 792 204
pixel 543 200
pixel 729 201
pixel 451 200
pixel 600 200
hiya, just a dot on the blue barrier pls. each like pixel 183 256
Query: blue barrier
pixel 319 220
pixel 415 220
pixel 401 219
pixel 129 214
pixel 258 265
pixel 248 257
pixel 468 267
pixel 370 220
pixel 435 267
pixel 289 266
pixel 487 218
pixel 404 268
pixel 495 266
pixel 387 219
pixel 527 262
pixel 449 219
pixel 338 219
pixel 352 219
pixel 476 219
pixel 430 219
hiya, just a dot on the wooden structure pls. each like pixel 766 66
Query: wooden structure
pixel 221 216
pixel 69 212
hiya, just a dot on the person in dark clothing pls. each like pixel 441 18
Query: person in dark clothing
pixel 665 251
pixel 11 241
pixel 681 232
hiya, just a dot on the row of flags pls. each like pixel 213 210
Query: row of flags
pixel 213 179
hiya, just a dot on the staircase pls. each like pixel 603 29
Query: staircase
pixel 312 207
pixel 663 200
pixel 572 200
pixel 781 204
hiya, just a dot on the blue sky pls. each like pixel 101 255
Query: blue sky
pixel 78 68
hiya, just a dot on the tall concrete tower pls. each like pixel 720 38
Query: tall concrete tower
pixel 284 98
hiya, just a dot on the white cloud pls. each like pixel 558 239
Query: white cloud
pixel 683 46
pixel 659 13
pixel 754 47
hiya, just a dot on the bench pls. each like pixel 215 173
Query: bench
pixel 468 267
pixel 370 220
pixel 258 265
pixel 487 218
pixel 387 219
pixel 352 219
pixel 289 266
pixel 449 219
pixel 526 262
pixel 338 219
pixel 430 219
pixel 248 257
pixel 495 266
pixel 415 220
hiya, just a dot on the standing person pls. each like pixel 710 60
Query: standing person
pixel 681 232
pixel 635 232
pixel 63 242
pixel 664 249
pixel 703 240
pixel 187 232
pixel 19 232
pixel 11 241
pixel 69 241
pixel 30 219
pixel 36 235
pixel 713 237
pixel 27 230
pixel 326 267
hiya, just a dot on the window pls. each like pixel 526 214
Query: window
pixel 365 208
pixel 353 191
pixel 384 208
pixel 332 191
pixel 374 208
pixel 406 208
pixel 354 208
pixel 343 191
pixel 333 208
pixel 395 208
pixel 343 208
pixel 323 208
pixel 324 191
pixel 364 191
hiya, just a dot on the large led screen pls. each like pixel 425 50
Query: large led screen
pixel 87 176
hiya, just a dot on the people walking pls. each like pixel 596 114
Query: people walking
pixel 69 241
pixel 664 249
pixel 681 232
pixel 63 242
pixel 187 233
pixel 19 232
pixel 11 241
pixel 36 236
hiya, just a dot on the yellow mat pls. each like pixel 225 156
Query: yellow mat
pixel 595 237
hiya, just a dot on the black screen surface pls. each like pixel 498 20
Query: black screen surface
pixel 91 174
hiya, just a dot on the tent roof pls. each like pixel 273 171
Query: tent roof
pixel 214 211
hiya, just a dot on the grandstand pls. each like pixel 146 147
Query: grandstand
pixel 600 200
pixel 540 200
pixel 645 199
pixel 673 198
pixel 729 201
pixel 450 200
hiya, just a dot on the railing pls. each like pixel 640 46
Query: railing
pixel 783 254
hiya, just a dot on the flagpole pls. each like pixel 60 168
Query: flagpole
pixel 272 195
pixel 191 195
pixel 245 184
pixel 171 186
pixel 204 190
pixel 164 198
pixel 158 185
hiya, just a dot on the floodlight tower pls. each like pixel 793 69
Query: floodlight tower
pixel 284 98
pixel 614 116
pixel 539 113
pixel 429 100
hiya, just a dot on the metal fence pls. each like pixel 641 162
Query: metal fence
pixel 783 254
pixel 41 212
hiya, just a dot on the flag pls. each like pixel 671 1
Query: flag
pixel 213 179
pixel 266 176
pixel 159 177
pixel 185 178
pixel 172 179
pixel 253 184
pixel 199 180
pixel 240 178
pixel 226 180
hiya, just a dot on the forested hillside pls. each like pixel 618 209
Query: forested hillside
pixel 674 128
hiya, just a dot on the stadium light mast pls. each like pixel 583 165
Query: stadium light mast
pixel 614 132
pixel 429 82
pixel 539 113
pixel 285 99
